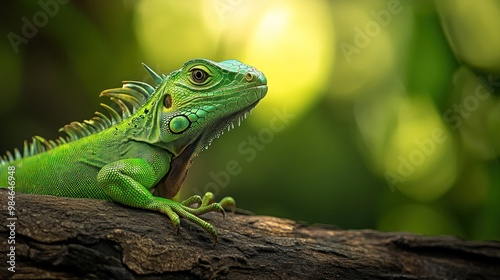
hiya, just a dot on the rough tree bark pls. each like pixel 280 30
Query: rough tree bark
pixel 60 238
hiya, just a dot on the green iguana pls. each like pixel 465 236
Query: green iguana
pixel 149 147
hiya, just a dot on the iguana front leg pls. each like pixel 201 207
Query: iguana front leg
pixel 127 181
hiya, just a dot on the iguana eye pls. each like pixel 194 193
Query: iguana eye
pixel 199 76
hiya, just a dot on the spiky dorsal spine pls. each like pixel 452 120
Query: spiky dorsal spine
pixel 129 98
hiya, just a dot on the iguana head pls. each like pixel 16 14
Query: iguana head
pixel 197 102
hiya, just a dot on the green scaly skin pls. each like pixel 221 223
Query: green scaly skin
pixel 141 157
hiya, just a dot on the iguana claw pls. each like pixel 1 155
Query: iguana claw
pixel 226 201
pixel 175 209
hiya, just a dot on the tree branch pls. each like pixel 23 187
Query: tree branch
pixel 59 238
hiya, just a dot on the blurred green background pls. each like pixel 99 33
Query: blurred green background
pixel 380 114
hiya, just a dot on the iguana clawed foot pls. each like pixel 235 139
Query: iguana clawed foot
pixel 175 209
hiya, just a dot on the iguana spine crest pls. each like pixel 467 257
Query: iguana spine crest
pixel 129 98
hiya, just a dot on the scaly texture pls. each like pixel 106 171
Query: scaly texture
pixel 141 157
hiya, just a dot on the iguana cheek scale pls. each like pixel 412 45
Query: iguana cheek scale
pixel 141 156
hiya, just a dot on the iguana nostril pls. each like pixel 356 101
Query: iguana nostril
pixel 249 76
